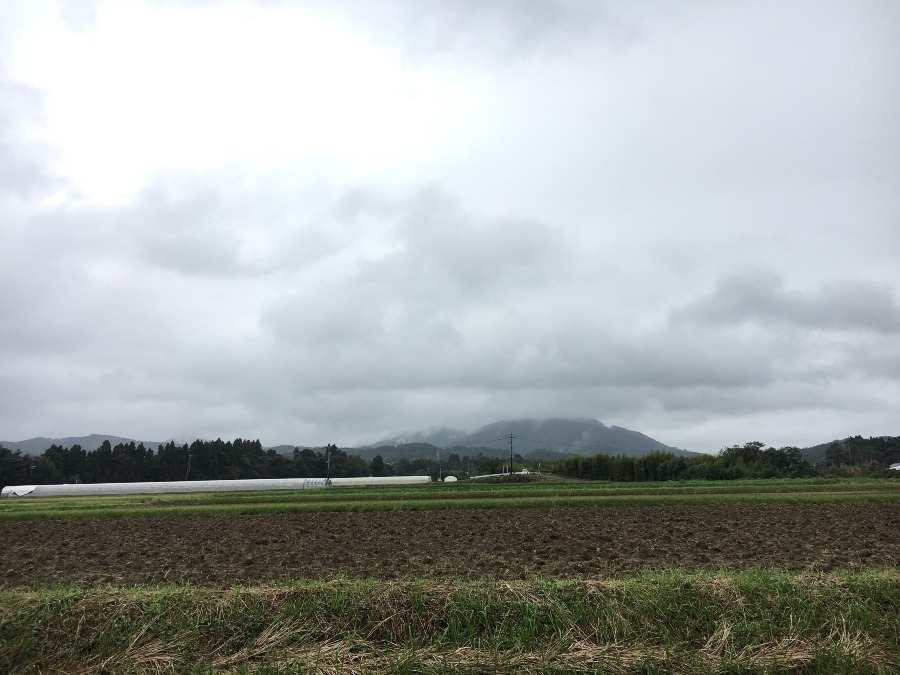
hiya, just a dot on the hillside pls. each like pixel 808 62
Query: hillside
pixel 441 437
pixel 815 454
pixel 552 438
pixel 854 450
pixel 572 436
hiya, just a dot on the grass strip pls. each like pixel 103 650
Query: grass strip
pixel 478 503
pixel 362 499
pixel 674 621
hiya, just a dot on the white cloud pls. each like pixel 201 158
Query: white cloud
pixel 150 87
pixel 311 223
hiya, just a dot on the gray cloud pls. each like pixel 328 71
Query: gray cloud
pixel 24 170
pixel 438 268
pixel 189 232
pixel 694 236
pixel 428 317
pixel 79 15
pixel 441 244
pixel 510 28
pixel 761 297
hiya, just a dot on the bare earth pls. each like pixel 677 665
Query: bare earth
pixel 530 543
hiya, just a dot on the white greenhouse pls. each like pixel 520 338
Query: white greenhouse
pixel 168 487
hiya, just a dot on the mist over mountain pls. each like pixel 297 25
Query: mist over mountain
pixel 547 437
pixel 551 438
pixel 578 436
pixel 441 437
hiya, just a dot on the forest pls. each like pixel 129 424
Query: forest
pixel 219 460
pixel 751 460
pixel 856 451
pixel 201 460
pixel 244 459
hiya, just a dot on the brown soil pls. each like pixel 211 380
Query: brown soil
pixel 531 543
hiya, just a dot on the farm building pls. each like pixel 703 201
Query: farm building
pixel 75 489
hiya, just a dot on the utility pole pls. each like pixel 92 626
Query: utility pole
pixel 439 464
pixel 328 465
pixel 511 436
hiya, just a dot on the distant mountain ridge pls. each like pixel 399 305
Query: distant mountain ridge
pixel 441 437
pixel 580 436
pixel 37 446
pixel 546 437
pixel 532 437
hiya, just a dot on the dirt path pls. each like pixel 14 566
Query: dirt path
pixel 495 543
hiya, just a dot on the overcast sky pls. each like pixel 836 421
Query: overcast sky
pixel 312 222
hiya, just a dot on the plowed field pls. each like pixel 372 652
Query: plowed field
pixel 501 543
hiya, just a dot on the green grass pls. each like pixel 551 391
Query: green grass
pixel 660 622
pixel 761 621
pixel 460 495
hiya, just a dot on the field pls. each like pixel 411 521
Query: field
pixel 446 578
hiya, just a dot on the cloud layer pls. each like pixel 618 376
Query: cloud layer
pixel 684 222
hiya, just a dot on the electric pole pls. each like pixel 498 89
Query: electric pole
pixel 511 436
pixel 328 465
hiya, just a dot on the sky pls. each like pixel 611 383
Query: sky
pixel 315 222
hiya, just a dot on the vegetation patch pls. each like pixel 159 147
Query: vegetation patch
pixel 696 577
pixel 439 496
pixel 670 621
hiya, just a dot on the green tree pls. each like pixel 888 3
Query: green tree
pixel 377 466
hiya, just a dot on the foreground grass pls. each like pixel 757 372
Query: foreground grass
pixel 461 495
pixel 735 622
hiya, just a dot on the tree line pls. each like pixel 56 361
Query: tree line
pixel 246 459
pixel 201 460
pixel 856 451
pixel 217 460
pixel 751 460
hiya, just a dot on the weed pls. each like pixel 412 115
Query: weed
pixel 672 621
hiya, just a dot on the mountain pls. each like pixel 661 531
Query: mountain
pixel 394 453
pixel 584 436
pixel 440 437
pixel 855 450
pixel 547 438
pixel 815 454
pixel 36 446
pixel 533 438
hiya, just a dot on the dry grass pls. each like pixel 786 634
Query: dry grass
pixel 665 622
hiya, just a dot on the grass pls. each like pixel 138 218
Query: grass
pixel 654 622
pixel 460 495
pixel 758 621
